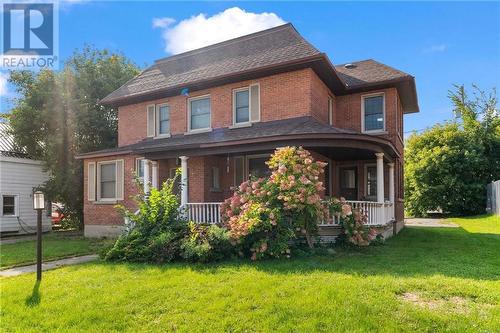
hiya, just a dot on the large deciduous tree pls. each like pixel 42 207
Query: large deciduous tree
pixel 58 115
pixel 448 166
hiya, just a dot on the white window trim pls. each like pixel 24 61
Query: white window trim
pixel 98 180
pixel 369 165
pixel 147 119
pixel 199 130
pixel 157 122
pixel 363 113
pixel 16 204
pixel 246 123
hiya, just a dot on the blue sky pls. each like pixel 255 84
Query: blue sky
pixel 439 43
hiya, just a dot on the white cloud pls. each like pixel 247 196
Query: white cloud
pixel 200 30
pixel 3 84
pixel 163 22
pixel 438 48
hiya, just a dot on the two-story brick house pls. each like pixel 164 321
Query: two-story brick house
pixel 219 111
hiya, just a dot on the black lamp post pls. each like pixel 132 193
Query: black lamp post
pixel 38 205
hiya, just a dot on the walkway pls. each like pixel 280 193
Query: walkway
pixel 48 265
pixel 429 222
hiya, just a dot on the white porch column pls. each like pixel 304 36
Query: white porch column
pixel 380 185
pixel 154 174
pixel 146 179
pixel 380 177
pixel 391 188
pixel 184 180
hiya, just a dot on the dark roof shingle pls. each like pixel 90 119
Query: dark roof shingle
pixel 367 72
pixel 280 48
pixel 265 48
pixel 292 126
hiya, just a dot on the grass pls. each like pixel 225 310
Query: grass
pixel 423 280
pixel 55 246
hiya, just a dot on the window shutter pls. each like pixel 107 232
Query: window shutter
pixel 151 120
pixel 254 103
pixel 119 180
pixel 91 181
pixel 330 111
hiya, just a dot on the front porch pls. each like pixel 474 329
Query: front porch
pixel 367 179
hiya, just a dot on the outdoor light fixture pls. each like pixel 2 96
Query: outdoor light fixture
pixel 38 200
pixel 38 205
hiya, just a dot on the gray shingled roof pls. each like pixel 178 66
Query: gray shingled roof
pixel 265 48
pixel 279 47
pixel 300 125
pixel 7 144
pixel 367 72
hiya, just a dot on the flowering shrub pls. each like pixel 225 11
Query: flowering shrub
pixel 265 214
pixel 352 221
pixel 205 243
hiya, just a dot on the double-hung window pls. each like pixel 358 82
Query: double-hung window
pixel 373 113
pixel 246 105
pixel 241 106
pixel 163 120
pixel 139 167
pixel 199 113
pixel 215 179
pixel 106 180
pixel 9 205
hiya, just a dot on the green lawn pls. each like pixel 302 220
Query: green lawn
pixel 423 280
pixel 55 246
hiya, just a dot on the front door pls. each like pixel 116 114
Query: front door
pixel 349 183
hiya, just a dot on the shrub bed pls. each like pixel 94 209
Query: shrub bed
pixel 264 218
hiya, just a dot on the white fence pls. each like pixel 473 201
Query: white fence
pixel 377 213
pixel 493 198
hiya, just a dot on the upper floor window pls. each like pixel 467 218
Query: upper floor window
pixel 246 105
pixel 199 113
pixel 163 117
pixel 241 106
pixel 373 113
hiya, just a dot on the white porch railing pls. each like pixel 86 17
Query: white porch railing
pixel 204 212
pixel 377 213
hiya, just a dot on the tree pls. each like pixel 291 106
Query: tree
pixel 58 115
pixel 449 165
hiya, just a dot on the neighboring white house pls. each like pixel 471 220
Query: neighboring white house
pixel 19 175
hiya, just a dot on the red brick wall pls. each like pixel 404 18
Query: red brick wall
pixel 347 114
pixel 104 213
pixel 319 98
pixel 286 95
